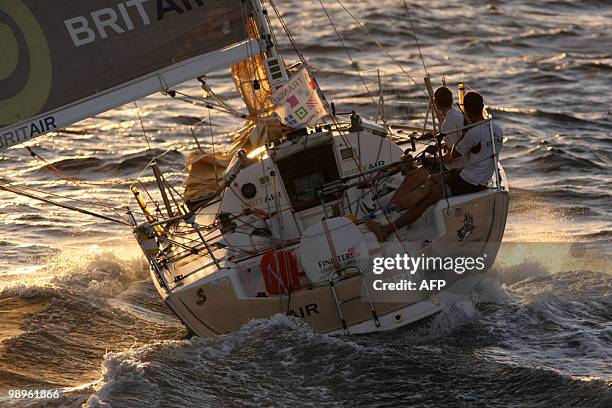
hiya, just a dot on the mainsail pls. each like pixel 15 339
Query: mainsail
pixel 66 60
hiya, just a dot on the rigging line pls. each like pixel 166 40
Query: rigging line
pixel 55 170
pixel 347 52
pixel 208 104
pixel 59 173
pixel 288 33
pixel 252 63
pixel 159 211
pixel 273 34
pixel 250 67
pixel 171 190
pixel 143 129
pixel 245 25
pixel 369 184
pixel 196 139
pixel 212 143
pixel 201 121
pixel 141 174
pixel 218 100
pixel 382 47
pixel 58 204
pixel 61 196
pixel 416 39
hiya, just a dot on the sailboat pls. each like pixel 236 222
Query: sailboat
pixel 275 224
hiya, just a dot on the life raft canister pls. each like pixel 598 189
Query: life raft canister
pixel 333 245
pixel 280 272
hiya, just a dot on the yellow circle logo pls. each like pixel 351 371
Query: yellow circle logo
pixel 34 94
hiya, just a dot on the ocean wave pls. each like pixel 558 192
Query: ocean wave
pixel 127 165
pixel 521 39
pixel 222 370
pixel 557 320
pixel 555 159
pixel 88 270
pixel 184 120
pixel 65 317
pixel 139 160
pixel 75 165
pixel 562 117
pixel 557 193
pixel 605 235
pixel 244 368
pixel 452 317
pixel 584 285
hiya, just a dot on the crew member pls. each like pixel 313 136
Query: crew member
pixel 408 193
pixel 479 168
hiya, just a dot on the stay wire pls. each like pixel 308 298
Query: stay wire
pixel 143 130
pixel 416 39
pixel 288 33
pixel 347 52
pixel 60 174
pixel 93 203
pixel 382 47
pixel 206 103
pixel 24 193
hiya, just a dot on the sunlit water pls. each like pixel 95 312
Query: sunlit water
pixel 77 311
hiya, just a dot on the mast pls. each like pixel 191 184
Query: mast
pixel 275 66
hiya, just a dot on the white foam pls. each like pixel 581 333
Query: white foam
pixel 91 270
pixel 454 316
pixel 279 335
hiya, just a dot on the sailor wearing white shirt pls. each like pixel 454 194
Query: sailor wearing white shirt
pixel 452 122
pixel 453 118
pixel 479 167
pixel 407 194
pixel 477 150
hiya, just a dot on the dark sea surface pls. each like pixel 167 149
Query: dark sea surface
pixel 78 313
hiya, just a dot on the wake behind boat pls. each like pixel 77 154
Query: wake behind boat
pixel 282 221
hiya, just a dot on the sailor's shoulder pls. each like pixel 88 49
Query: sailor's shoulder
pixel 454 114
pixel 476 131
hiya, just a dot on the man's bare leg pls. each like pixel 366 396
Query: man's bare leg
pixel 408 201
pixel 412 181
pixel 410 191
pixel 382 232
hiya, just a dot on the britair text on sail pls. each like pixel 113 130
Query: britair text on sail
pixel 89 28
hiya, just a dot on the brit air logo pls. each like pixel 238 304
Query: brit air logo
pixel 123 17
pixel 25 68
pixel 28 131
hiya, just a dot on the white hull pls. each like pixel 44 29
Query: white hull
pixel 218 291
